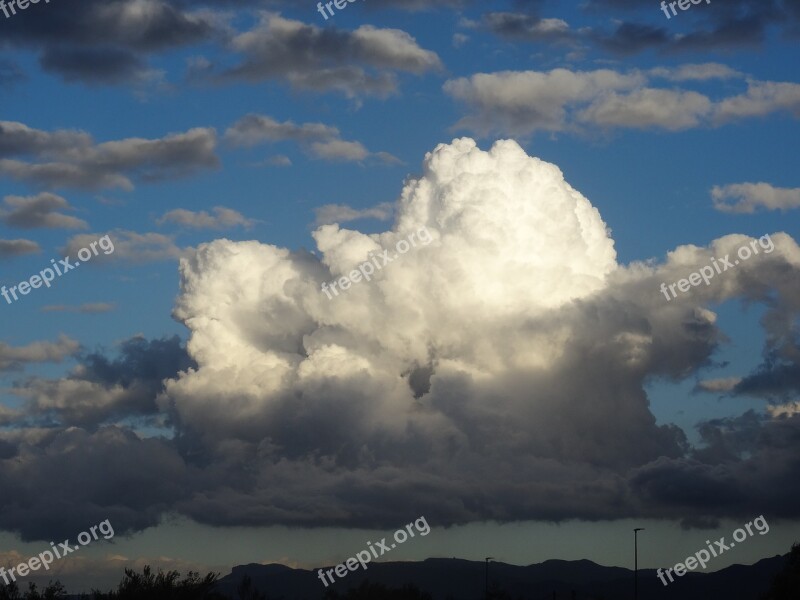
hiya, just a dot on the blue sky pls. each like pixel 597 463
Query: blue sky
pixel 273 114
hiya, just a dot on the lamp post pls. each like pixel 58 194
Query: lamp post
pixel 488 558
pixel 636 562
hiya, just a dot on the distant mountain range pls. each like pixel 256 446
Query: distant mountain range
pixel 456 579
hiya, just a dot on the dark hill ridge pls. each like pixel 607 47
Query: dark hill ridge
pixel 461 579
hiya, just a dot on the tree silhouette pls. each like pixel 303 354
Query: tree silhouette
pixel 498 593
pixel 10 592
pixel 786 585
pixel 246 591
pixel 53 591
pixel 162 586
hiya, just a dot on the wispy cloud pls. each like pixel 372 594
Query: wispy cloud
pixel 523 102
pixel 341 213
pixel 696 72
pixel 254 129
pixel 71 159
pixel 129 246
pixel 31 212
pixel 746 198
pixel 12 248
pixel 317 139
pixel 223 218
pixel 14 357
pixel 360 62
pixel 718 385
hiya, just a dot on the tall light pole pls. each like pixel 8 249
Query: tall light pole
pixel 636 562
pixel 488 558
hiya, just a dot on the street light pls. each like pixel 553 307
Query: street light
pixel 488 558
pixel 636 562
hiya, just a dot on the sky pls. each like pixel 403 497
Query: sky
pixel 405 259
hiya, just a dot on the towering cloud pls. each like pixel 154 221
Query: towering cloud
pixel 481 376
pixel 497 372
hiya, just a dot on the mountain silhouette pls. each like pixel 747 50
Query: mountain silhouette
pixel 457 579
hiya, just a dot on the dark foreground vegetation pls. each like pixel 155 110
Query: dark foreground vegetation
pixel 168 585
pixel 134 586
pixel 787 583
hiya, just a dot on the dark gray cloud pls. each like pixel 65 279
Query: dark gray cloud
pixel 778 377
pixel 254 129
pixel 600 5
pixel 421 5
pixel 725 26
pixel 19 139
pixel 15 357
pixel 39 211
pixel 407 5
pixel 317 139
pixel 94 65
pixel 13 248
pixel 140 360
pixel 747 461
pixel 112 41
pixel 324 59
pixel 74 477
pixel 527 27
pixel 630 38
pixel 101 389
pixel 149 25
pixel 67 158
pixel 775 379
pixel 105 41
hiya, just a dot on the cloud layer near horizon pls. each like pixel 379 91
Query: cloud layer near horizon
pixel 496 373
